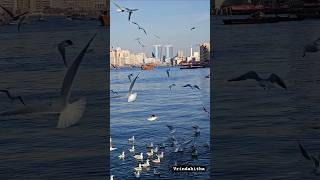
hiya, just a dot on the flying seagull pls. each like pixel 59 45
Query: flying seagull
pixel 114 92
pixel 168 72
pixel 188 85
pixel 265 83
pixel 140 28
pixel 311 47
pixel 132 96
pixel 14 17
pixel 69 113
pixel 196 86
pixel 130 11
pixel 13 97
pixel 308 156
pixel 171 85
pixel 205 110
pixel 193 28
pixel 129 77
pixel 62 49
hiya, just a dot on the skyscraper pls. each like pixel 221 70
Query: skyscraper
pixel 205 52
pixel 157 51
pixel 169 51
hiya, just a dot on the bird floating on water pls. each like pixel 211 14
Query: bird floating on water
pixel 68 113
pixel 132 149
pixel 12 98
pixel 131 139
pixel 122 155
pixel 137 174
pixel 150 153
pixel 138 157
pixel 139 168
pixel 152 118
pixel 132 96
pixel 265 83
pixel 146 164
pixel 156 160
pixel 155 172
pixel 155 150
pixel 160 155
pixel 150 145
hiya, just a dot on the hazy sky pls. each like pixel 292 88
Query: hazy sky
pixel 169 19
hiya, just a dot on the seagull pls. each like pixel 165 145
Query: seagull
pixel 146 164
pixel 111 177
pixel 130 11
pixel 188 85
pixel 311 47
pixel 69 113
pixel 171 85
pixel 122 155
pixel 152 118
pixel 62 49
pixel 14 17
pixel 139 157
pixel 139 168
pixel 132 149
pixel 163 58
pixel 21 20
pixel 193 28
pixel 156 160
pixel 168 72
pixel 12 98
pixel 150 153
pixel 155 172
pixel 140 28
pixel 308 156
pixel 155 150
pixel 119 8
pixel 132 96
pixel 162 145
pixel 265 83
pixel 131 139
pixel 172 129
pixel 197 87
pixel 208 76
pixel 153 56
pixel 129 77
pixel 150 145
pixel 112 148
pixel 205 110
pixel 160 155
pixel 114 92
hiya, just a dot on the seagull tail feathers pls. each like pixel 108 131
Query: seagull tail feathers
pixel 72 113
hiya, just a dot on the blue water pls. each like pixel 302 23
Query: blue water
pixel 181 108
pixel 256 131
pixel 31 147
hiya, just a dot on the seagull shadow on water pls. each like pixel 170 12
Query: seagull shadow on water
pixel 69 113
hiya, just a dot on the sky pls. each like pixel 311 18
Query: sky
pixel 171 20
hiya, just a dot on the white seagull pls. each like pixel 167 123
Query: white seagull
pixel 111 148
pixel 146 164
pixel 138 157
pixel 132 96
pixel 152 118
pixel 131 139
pixel 139 168
pixel 69 113
pixel 122 155
pixel 132 149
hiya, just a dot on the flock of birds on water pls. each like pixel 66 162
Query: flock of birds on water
pixel 155 153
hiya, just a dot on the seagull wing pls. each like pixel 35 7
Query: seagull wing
pixel 304 152
pixel 153 55
pixel 187 85
pixel 132 83
pixel 135 24
pixel 145 32
pixel 168 72
pixel 21 100
pixel 117 5
pixel 9 12
pixel 196 86
pixel 248 75
pixel 129 17
pixel 186 143
pixel 276 79
pixel 72 71
pixel 7 93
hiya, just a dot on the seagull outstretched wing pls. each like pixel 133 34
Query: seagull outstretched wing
pixel 248 75
pixel 276 79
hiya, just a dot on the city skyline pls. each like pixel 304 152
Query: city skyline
pixel 170 20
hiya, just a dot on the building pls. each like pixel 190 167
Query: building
pixel 196 55
pixel 169 51
pixel 119 57
pixel 180 57
pixel 157 51
pixel 23 6
pixel 205 53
